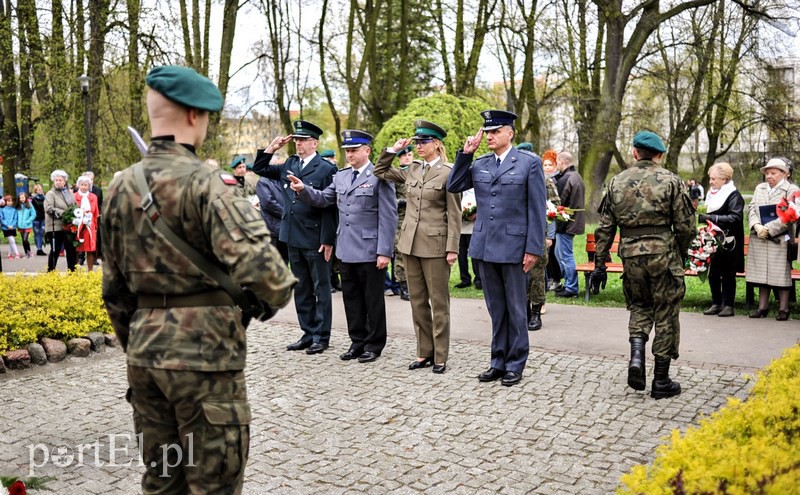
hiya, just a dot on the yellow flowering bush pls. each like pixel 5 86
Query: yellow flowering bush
pixel 51 305
pixel 747 447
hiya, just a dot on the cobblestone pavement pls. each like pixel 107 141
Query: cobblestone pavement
pixel 322 425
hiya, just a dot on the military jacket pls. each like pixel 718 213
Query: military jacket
pixel 367 214
pixel 643 196
pixel 511 204
pixel 432 224
pixel 200 203
pixel 302 226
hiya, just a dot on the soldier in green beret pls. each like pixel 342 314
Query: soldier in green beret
pixel 656 218
pixel 183 335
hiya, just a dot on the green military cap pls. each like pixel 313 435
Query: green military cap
pixel 647 140
pixel 425 130
pixel 526 146
pixel 328 154
pixel 407 149
pixel 304 129
pixel 237 160
pixel 186 87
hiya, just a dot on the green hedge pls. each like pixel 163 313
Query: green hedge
pixel 54 305
pixel 748 447
pixel 460 117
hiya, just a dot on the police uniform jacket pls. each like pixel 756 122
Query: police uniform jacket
pixel 302 226
pixel 511 204
pixel 432 225
pixel 367 214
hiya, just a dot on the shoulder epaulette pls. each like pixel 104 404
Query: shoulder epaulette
pixel 487 155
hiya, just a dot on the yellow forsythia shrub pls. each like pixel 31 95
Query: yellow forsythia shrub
pixel 55 305
pixel 747 447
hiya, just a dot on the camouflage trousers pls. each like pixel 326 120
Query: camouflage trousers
pixel 537 293
pixel 193 429
pixel 398 266
pixel 654 288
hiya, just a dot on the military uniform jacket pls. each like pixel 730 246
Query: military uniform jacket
pixel 643 196
pixel 432 224
pixel 511 204
pixel 302 226
pixel 367 214
pixel 200 204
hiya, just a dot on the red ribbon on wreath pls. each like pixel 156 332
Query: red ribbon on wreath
pixel 787 209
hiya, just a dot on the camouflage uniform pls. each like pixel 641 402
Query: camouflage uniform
pixel 398 268
pixel 186 357
pixel 536 290
pixel 652 207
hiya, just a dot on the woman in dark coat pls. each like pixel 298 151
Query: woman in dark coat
pixel 725 209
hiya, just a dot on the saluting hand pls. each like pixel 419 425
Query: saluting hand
pixel 296 184
pixel 401 144
pixel 278 143
pixel 473 142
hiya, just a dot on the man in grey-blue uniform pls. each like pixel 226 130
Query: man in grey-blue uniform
pixel 508 236
pixel 308 232
pixel 364 242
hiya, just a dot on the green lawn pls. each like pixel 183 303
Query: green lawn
pixel 698 296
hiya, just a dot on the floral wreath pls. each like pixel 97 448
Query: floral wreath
pixel 708 240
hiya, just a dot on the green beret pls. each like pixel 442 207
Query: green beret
pixel 186 87
pixel 237 160
pixel 647 140
pixel 328 154
pixel 407 149
pixel 525 146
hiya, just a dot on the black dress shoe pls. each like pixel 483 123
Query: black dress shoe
pixel 491 375
pixel 415 365
pixel 316 348
pixel 351 354
pixel 782 315
pixel 367 357
pixel 511 378
pixel 463 285
pixel 439 368
pixel 564 293
pixel 299 345
pixel 478 285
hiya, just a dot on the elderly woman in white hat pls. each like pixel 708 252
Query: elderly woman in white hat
pixel 767 263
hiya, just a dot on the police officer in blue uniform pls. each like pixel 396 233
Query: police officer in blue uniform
pixel 508 236
pixel 364 242
pixel 309 232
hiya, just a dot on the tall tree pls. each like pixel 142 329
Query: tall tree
pixel 9 130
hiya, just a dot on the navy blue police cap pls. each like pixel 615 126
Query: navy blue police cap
pixel 354 138
pixel 495 119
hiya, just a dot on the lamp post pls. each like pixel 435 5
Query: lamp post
pixel 83 80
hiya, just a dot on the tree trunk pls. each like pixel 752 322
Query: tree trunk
pixel 98 19
pixel 9 132
pixel 187 38
pixel 135 76
pixel 323 76
pixel 226 47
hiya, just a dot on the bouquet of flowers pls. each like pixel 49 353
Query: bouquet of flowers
pixel 73 220
pixel 788 210
pixel 468 210
pixel 708 240
pixel 560 213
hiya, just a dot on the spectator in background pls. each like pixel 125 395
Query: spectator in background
pixel 329 155
pixel 768 252
pixel 695 192
pixel 726 210
pixel 467 224
pixel 56 201
pixel 87 231
pixel 553 271
pixel 571 191
pixel 37 199
pixel 270 204
pixel 98 192
pixel 26 214
pixel 8 223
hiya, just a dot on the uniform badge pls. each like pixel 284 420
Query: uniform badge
pixel 228 179
pixel 487 115
pixel 347 134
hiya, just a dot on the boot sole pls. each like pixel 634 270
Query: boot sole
pixel 664 395
pixel 636 378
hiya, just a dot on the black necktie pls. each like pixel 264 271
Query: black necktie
pixel 355 176
pixel 498 163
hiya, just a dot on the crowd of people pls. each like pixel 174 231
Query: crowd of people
pixel 216 261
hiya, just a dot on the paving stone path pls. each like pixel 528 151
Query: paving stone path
pixel 322 425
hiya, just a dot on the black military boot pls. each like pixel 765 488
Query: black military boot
pixel 534 317
pixel 404 291
pixel 637 376
pixel 663 386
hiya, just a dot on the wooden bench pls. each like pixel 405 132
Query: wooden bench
pixel 615 266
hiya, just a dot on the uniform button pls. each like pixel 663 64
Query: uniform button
pixel 494 194
pixel 491 218
pixel 347 214
pixel 348 204
pixel 347 224
pixel 294 201
pixel 492 206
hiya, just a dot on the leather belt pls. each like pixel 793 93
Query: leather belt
pixel 210 298
pixel 643 230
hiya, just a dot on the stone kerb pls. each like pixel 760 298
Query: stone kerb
pixel 54 350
